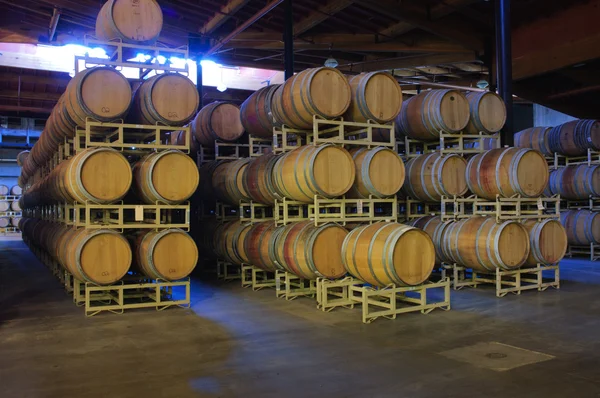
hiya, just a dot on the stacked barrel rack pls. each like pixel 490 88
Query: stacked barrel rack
pixel 451 146
pixel 10 211
pixel 80 216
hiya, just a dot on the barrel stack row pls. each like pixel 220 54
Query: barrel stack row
pixel 10 211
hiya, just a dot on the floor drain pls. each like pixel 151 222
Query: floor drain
pixel 495 355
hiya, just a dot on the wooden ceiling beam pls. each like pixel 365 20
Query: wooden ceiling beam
pixel 320 14
pixel 15 78
pixel 408 62
pixel 51 97
pixel 226 11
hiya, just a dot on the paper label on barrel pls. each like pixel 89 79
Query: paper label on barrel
pixel 139 213
pixel 277 284
pixel 359 208
pixel 540 205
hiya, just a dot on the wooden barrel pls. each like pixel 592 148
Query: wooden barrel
pixel 481 244
pixel 169 176
pixel 14 221
pixel 168 98
pixel 16 190
pixel 4 222
pixel 21 158
pixel 258 179
pixel 575 137
pixel 98 256
pixel 323 92
pixel 506 172
pixel 14 206
pixel 205 187
pixel 228 181
pixel 548 242
pixel 577 182
pixel 423 116
pixel 434 227
pixel 4 190
pixel 256 245
pixel 582 226
pixel 379 172
pixel 137 21
pixel 231 243
pixel 535 138
pixel 388 253
pixel 178 138
pixel 217 121
pixel 376 96
pixel 325 170
pixel 488 112
pixel 431 176
pixel 255 113
pixel 4 205
pixel 311 252
pixel 101 93
pixel 169 254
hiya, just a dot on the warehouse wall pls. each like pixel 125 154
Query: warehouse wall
pixel 543 116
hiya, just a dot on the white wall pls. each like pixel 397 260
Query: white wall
pixel 543 117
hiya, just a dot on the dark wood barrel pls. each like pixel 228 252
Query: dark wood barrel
pixel 323 92
pixel 575 137
pixel 423 116
pixel 137 21
pixel 258 179
pixel 21 158
pixel 255 113
pixel 388 253
pixel 506 172
pixel 376 96
pixel 217 121
pixel 256 245
pixel 233 238
pixel 431 176
pixel 178 138
pixel 488 112
pixel 577 182
pixel 325 170
pixel 205 186
pixel 227 181
pixel 169 98
pixel 379 172
pixel 535 138
pixel 582 226
pixel 169 176
pixel 434 227
pixel 548 242
pixel 483 245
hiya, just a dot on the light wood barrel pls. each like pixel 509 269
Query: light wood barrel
pixel 217 121
pixel 16 190
pixel 169 254
pixel 506 172
pixel 575 137
pixel 168 176
pixel 168 98
pixel 423 116
pixel 535 138
pixel 258 179
pixel 582 226
pixel 4 222
pixel 4 190
pixel 311 252
pixel 548 241
pixel 434 227
pixel 14 206
pixel 21 157
pixel 255 113
pixel 379 173
pixel 431 176
pixel 228 181
pixel 323 92
pixel 481 244
pixel 388 253
pixel 256 245
pixel 325 170
pixel 14 221
pixel 577 182
pixel 4 206
pixel 233 239
pixel 137 21
pixel 376 96
pixel 488 112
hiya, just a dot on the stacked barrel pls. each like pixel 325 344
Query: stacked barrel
pixel 572 151
pixel 95 250
pixel 10 210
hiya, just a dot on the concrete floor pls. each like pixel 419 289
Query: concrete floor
pixel 238 343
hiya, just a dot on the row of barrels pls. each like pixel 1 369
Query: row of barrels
pixel 6 205
pixel 15 190
pixel 104 256
pixel 104 175
pixel 6 222
pixel 572 138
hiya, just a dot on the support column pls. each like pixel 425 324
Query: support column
pixel 199 85
pixel 288 40
pixel 504 66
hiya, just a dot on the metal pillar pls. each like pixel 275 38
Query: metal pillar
pixel 504 66
pixel 199 85
pixel 288 40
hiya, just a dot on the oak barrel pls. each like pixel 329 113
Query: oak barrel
pixel 205 187
pixel 582 226
pixel 169 176
pixel 217 121
pixel 506 172
pixel 16 190
pixel 14 206
pixel 388 253
pixel 425 115
pixel 574 138
pixel 14 221
pixel 228 181
pixel 255 113
pixel 4 190
pixel 535 138
pixel 169 254
pixel 323 92
pixel 4 222
pixel 325 170
pixel 379 172
pixel 178 138
pixel 548 242
pixel 488 112
pixel 576 182
pixel 21 157
pixel 258 181
pixel 231 242
pixel 256 245
pixel 132 21
pixel 483 245
pixel 434 227
pixel 376 96
pixel 431 176
pixel 4 205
